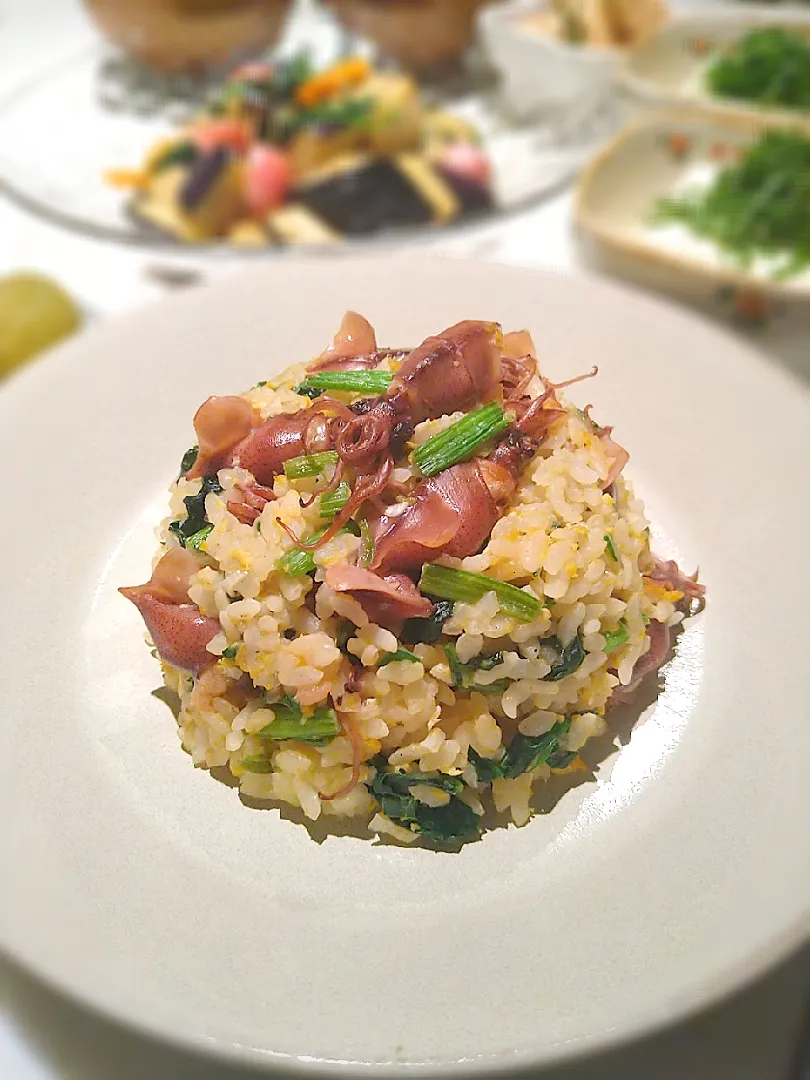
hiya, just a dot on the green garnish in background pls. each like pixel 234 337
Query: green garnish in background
pixel 769 65
pixel 758 206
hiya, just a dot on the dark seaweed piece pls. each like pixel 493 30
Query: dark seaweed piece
pixel 179 153
pixel 204 174
pixel 473 198
pixel 367 198
pixel 571 657
pixel 195 511
pixel 427 631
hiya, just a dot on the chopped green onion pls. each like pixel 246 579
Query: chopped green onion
pixel 357 382
pixel 462 439
pixel 230 652
pixel 367 543
pixel 614 639
pixel 256 764
pixel 611 547
pixel 290 723
pixel 197 538
pixel 400 654
pixel 333 503
pixel 571 657
pixel 464 587
pixel 309 465
pixel 297 563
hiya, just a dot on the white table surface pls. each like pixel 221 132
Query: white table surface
pixel 45 1037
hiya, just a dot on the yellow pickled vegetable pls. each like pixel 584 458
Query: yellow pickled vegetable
pixel 35 313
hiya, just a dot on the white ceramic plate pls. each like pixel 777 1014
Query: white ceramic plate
pixel 670 67
pixel 144 887
pixel 661 156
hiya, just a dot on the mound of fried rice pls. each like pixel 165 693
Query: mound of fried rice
pixel 581 550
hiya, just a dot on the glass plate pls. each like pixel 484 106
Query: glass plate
pixel 101 111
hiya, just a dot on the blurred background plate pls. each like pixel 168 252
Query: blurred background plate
pixel 101 110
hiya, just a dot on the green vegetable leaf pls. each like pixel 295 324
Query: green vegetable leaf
pixel 448 824
pixel 456 667
pixel 427 631
pixel 525 753
pixel 256 764
pixel 195 511
pixel 189 458
pixel 611 547
pixel 390 782
pixel 571 657
pixel 229 653
pixel 194 542
pixel 561 759
pixel 759 205
pixel 486 769
pixel 400 654
pixel 462 586
pixel 769 65
pixel 614 639
pixel 289 723
pixel 463 675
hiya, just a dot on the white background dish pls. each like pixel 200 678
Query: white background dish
pixel 670 67
pixel 617 193
pixel 543 75
pixel 147 889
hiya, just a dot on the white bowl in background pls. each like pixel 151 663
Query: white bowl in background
pixel 542 74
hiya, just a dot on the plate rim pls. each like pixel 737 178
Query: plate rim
pixel 689 1001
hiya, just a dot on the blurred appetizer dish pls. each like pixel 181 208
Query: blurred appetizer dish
pixel 292 155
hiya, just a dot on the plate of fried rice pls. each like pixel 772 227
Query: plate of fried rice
pixel 406 667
